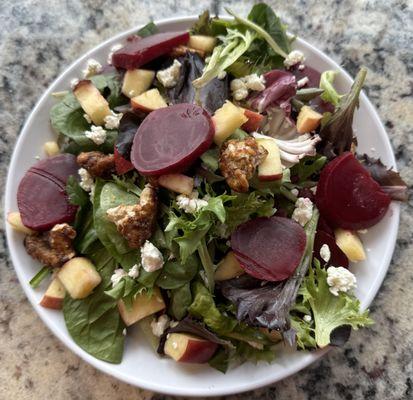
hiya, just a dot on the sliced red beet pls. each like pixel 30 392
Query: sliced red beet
pixel 138 51
pixel 338 258
pixel 170 139
pixel 41 196
pixel 269 248
pixel 348 197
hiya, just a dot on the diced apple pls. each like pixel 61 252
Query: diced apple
pixel 189 348
pixel 92 102
pixel 148 101
pixel 228 268
pixel 178 183
pixel 79 277
pixel 271 168
pixel 137 81
pixel 254 121
pixel 142 306
pixel 308 120
pixel 202 42
pixel 226 119
pixel 54 295
pixel 350 244
pixel 15 220
pixel 51 148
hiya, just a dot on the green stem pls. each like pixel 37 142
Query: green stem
pixel 39 277
pixel 207 264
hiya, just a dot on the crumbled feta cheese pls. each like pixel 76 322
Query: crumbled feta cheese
pixel 97 134
pixel 222 75
pixel 307 318
pixel 314 189
pixel 74 82
pixel 241 86
pixel 294 192
pixel 303 211
pixel 169 76
pixel 134 271
pixel 340 280
pixel 87 118
pixel 152 258
pixel 117 275
pixel 124 332
pixel 112 120
pixel 295 57
pixel 37 158
pixel 93 67
pixel 325 252
pixel 362 231
pixel 158 326
pixel 86 180
pixel 92 192
pixel 113 49
pixel 302 82
pixel 190 204
pixel 301 67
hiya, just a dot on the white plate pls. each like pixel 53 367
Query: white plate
pixel 140 365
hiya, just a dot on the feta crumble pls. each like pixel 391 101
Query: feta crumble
pixel 117 276
pixel 169 76
pixel 74 82
pixel 93 67
pixel 302 82
pixel 307 318
pixel 222 75
pixel 86 180
pixel 303 211
pixel 134 271
pixel 113 49
pixel 190 204
pixel 301 67
pixel 152 258
pixel 295 57
pixel 97 134
pixel 240 87
pixel 294 192
pixel 325 253
pixel 158 326
pixel 87 118
pixel 112 120
pixel 340 280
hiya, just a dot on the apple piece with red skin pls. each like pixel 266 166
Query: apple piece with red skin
pixel 148 101
pixel 178 183
pixel 139 51
pixel 187 348
pixel 121 164
pixel 270 168
pixel 254 121
pixel 54 295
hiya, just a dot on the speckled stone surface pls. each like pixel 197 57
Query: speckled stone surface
pixel 39 39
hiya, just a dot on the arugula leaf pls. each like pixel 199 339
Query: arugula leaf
pixel 329 311
pixel 40 276
pixel 308 166
pixel 149 29
pixel 175 274
pixel 203 25
pixel 94 322
pixel 326 83
pixel 180 300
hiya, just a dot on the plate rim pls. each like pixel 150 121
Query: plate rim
pixel 106 367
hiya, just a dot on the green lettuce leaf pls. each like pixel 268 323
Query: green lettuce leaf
pixel 330 94
pixel 203 25
pixel 176 274
pixel 180 300
pixel 149 29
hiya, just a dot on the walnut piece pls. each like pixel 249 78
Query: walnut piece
pixel 52 248
pixel 238 161
pixel 98 165
pixel 136 223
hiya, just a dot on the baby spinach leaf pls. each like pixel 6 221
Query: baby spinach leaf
pixel 149 29
pixel 180 300
pixel 175 274
pixel 211 159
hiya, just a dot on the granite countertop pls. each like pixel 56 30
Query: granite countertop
pixel 39 39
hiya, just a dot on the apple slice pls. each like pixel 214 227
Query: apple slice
pixel 178 183
pixel 92 102
pixel 54 295
pixel 202 42
pixel 51 148
pixel 271 168
pixel 142 306
pixel 254 121
pixel 189 348
pixel 79 277
pixel 137 81
pixel 226 119
pixel 228 268
pixel 350 244
pixel 148 101
pixel 308 120
pixel 15 220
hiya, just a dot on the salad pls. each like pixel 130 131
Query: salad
pixel 204 187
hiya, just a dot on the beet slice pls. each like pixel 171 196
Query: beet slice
pixel 269 248
pixel 348 197
pixel 139 51
pixel 170 139
pixel 338 258
pixel 41 196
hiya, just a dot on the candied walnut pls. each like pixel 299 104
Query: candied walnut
pixel 136 223
pixel 52 248
pixel 98 165
pixel 238 161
